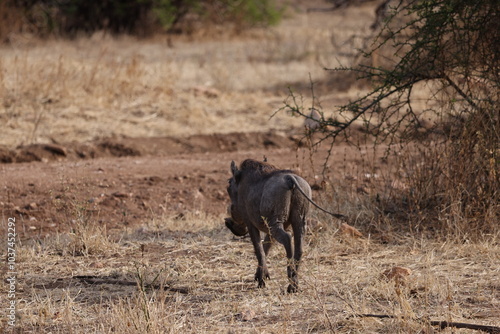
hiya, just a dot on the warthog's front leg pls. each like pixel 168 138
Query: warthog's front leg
pixel 262 271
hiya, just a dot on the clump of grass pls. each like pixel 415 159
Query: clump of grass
pixel 53 311
pixel 88 239
pixel 86 236
pixel 141 313
pixel 143 310
pixel 195 222
pixel 84 239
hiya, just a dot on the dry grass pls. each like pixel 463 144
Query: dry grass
pixel 340 277
pixel 99 87
pixel 207 274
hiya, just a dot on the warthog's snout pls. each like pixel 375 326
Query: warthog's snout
pixel 237 229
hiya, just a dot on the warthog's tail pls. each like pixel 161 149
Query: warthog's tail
pixel 295 184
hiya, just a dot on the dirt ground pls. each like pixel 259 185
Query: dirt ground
pixel 114 160
pixel 125 182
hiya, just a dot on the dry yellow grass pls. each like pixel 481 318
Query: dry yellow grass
pixel 99 87
pixel 210 275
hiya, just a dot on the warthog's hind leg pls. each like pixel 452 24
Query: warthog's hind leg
pixel 283 237
pixel 267 244
pixel 292 278
pixel 298 226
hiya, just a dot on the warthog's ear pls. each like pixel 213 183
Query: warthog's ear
pixel 234 169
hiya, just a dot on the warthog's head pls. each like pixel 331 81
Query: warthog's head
pixel 235 223
pixel 239 230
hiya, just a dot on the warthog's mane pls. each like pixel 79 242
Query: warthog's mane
pixel 257 170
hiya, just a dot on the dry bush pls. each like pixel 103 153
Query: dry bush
pixel 456 182
pixel 447 145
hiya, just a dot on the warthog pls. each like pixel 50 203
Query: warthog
pixel 267 199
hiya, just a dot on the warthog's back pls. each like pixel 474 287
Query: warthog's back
pixel 274 196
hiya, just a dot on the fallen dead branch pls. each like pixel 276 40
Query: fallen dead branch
pixel 106 280
pixel 441 324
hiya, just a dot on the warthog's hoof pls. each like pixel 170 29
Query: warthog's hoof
pixel 260 275
pixel 292 288
pixel 237 229
pixel 294 284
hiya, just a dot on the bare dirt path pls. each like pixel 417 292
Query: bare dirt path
pixel 49 195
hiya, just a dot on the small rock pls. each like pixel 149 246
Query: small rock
pixel 348 230
pixel 198 196
pixel 312 122
pixel 247 315
pixel 362 190
pixel 96 265
pixel 31 206
pixel 397 273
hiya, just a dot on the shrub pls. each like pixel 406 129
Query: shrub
pixel 68 17
pixel 177 15
pixel 452 47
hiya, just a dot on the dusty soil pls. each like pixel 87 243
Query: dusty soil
pixel 122 147
pixel 125 182
pixel 118 180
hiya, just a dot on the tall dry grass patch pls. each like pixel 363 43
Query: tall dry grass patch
pixel 182 276
pixel 453 180
pixel 58 91
pixel 82 94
